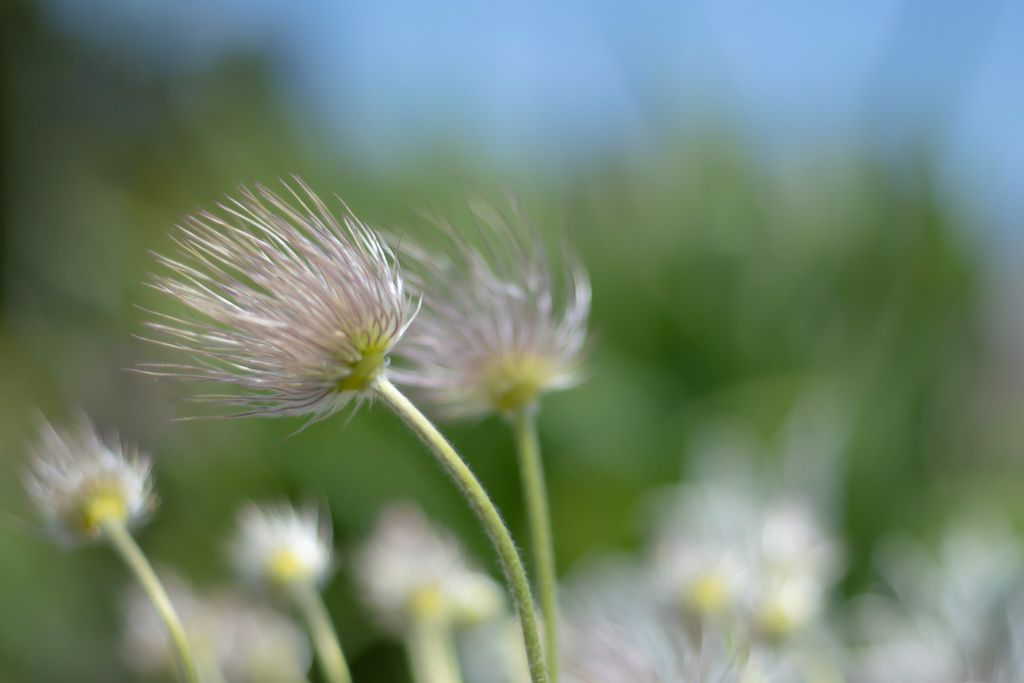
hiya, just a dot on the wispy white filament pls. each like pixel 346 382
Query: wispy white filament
pixel 292 305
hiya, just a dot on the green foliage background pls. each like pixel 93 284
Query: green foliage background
pixel 723 286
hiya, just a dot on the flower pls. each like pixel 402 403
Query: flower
pixel 615 630
pixel 495 332
pixel 410 570
pixel 702 552
pixel 725 555
pixel 624 648
pixel 951 616
pixel 76 480
pixel 277 545
pixel 903 646
pixel 796 564
pixel 233 640
pixel 288 303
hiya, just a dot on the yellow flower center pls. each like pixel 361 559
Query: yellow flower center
pixel 709 593
pixel 427 603
pixel 775 621
pixel 284 567
pixel 100 507
pixel 514 381
pixel 364 370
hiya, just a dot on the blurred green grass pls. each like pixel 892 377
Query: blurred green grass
pixel 723 286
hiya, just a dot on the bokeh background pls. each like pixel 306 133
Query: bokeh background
pixel 781 204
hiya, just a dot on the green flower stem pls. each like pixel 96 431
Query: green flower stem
pixel 511 564
pixel 535 493
pixel 114 531
pixel 314 612
pixel 432 656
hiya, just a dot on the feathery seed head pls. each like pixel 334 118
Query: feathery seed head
pixel 292 305
pixel 279 546
pixel 76 480
pixel 409 570
pixel 496 330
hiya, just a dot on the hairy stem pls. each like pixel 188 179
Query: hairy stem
pixel 115 532
pixel 481 503
pixel 321 631
pixel 539 517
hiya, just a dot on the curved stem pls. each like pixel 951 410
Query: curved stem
pixel 481 503
pixel 431 651
pixel 114 531
pixel 325 639
pixel 539 517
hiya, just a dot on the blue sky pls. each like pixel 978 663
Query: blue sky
pixel 536 78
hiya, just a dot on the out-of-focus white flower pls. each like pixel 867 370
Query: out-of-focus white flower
pixel 638 645
pixel 76 480
pixel 288 303
pixel 980 560
pixel 496 331
pixel 233 641
pixel 408 569
pixel 785 604
pixel 795 563
pixel 903 647
pixel 701 558
pixel 266 647
pixel 277 545
pixel 951 616
pixel 615 630
pixel 605 650
pixel 739 558
pixel 726 555
pixel 706 577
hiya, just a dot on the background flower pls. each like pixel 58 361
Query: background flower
pixel 275 545
pixel 75 478
pixel 408 569
pixel 953 615
pixel 501 323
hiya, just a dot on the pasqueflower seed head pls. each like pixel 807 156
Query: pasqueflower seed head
pixel 276 545
pixel 76 480
pixel 292 305
pixel 497 329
